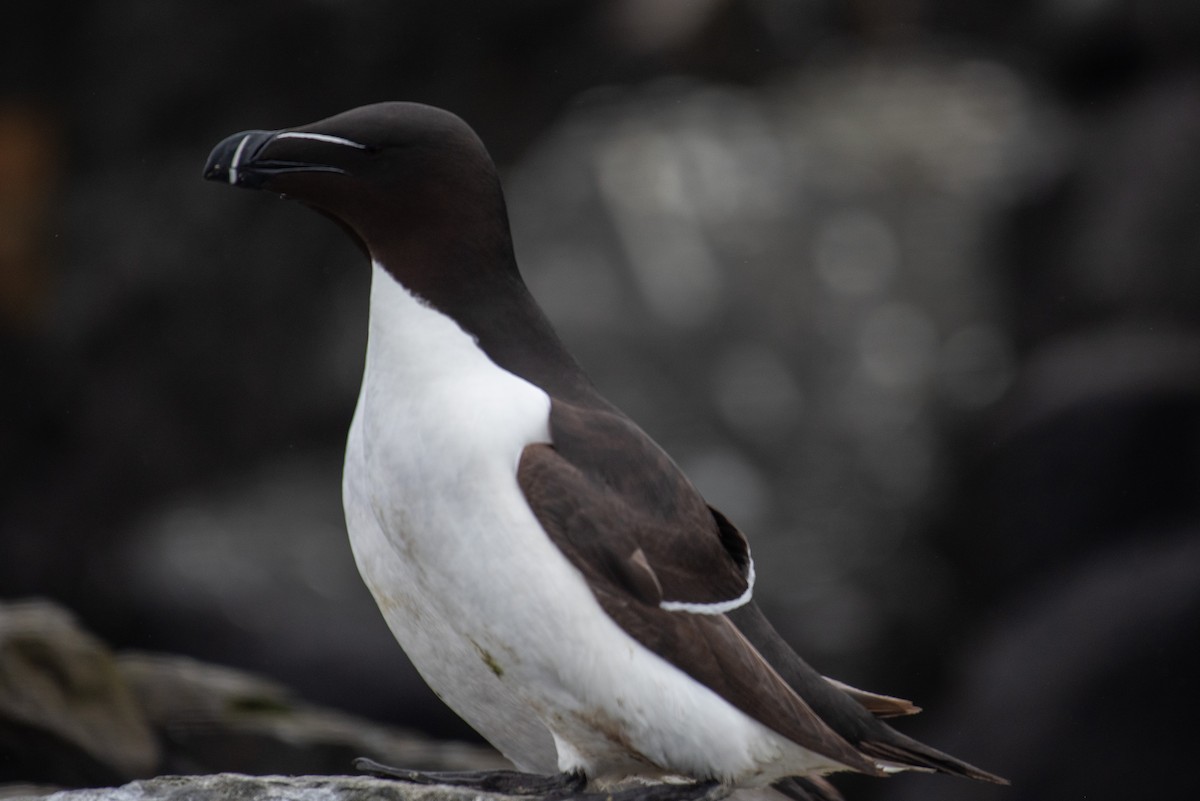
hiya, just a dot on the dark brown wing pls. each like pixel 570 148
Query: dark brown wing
pixel 642 536
pixel 608 525
pixel 632 510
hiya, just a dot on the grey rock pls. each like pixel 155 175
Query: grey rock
pixel 74 714
pixel 230 786
pixel 8 791
pixel 66 714
pixel 212 718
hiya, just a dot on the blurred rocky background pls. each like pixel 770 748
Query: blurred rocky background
pixel 75 713
pixel 909 289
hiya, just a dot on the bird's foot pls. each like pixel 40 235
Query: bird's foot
pixel 550 787
pixel 509 782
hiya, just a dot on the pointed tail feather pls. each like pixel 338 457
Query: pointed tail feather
pixel 849 714
pixel 904 750
pixel 879 705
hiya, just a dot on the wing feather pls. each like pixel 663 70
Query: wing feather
pixel 611 546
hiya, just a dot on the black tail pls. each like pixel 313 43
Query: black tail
pixel 848 717
pixel 904 750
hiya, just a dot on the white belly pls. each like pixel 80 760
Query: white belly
pixel 501 625
pixel 449 664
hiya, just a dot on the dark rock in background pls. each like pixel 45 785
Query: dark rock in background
pixel 66 715
pixel 75 714
pixel 1088 675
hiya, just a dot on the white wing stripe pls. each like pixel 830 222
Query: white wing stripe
pixel 718 608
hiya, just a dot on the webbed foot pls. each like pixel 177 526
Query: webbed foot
pixel 510 782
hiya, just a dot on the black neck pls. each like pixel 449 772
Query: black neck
pixel 484 293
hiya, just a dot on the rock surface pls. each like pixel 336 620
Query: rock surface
pixel 66 712
pixel 224 786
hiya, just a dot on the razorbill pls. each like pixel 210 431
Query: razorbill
pixel 551 573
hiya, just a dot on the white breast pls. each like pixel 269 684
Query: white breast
pixel 495 618
pixel 435 422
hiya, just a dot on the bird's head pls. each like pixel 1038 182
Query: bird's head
pixel 388 172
